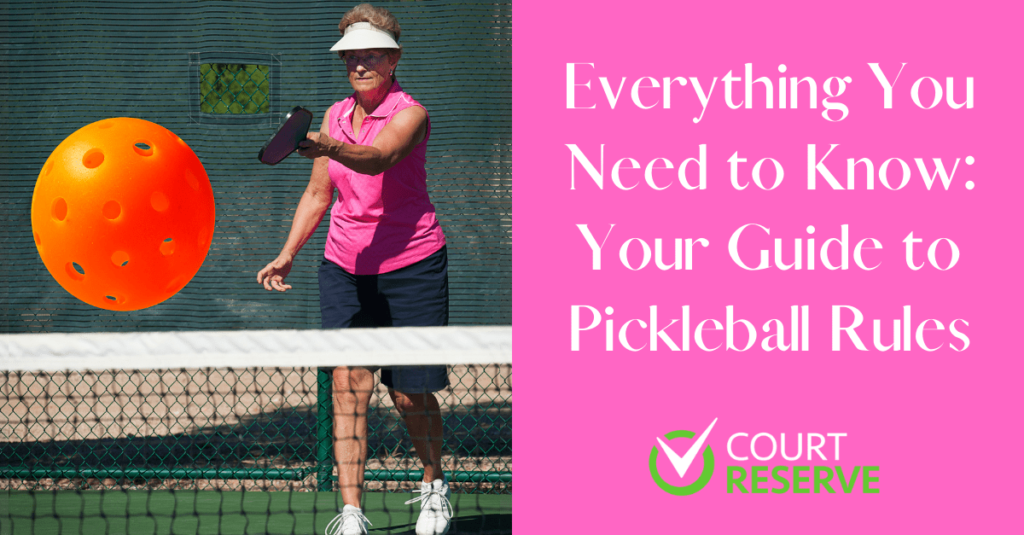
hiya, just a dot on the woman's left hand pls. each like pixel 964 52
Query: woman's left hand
pixel 316 144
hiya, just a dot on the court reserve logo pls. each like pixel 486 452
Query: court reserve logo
pixel 769 463
pixel 682 463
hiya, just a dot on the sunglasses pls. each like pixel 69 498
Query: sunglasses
pixel 369 60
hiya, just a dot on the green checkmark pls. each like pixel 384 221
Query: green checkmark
pixel 692 488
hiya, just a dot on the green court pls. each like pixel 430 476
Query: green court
pixel 229 512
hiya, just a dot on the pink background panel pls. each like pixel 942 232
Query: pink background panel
pixel 942 426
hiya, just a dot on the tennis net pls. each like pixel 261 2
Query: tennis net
pixel 232 432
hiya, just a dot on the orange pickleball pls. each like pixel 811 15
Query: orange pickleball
pixel 123 214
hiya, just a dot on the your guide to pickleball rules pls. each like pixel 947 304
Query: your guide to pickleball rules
pixel 826 168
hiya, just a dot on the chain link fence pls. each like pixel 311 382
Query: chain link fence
pixel 253 428
pixel 234 88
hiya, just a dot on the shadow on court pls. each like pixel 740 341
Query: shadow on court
pixel 281 438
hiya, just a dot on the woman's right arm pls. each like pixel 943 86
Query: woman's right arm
pixel 314 203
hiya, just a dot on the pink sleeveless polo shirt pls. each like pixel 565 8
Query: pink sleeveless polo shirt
pixel 383 222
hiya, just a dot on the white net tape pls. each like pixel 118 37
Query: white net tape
pixel 395 346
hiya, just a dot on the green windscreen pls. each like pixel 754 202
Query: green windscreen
pixel 221 75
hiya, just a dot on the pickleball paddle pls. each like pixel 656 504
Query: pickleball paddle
pixel 287 138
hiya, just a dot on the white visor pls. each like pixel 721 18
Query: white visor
pixel 363 35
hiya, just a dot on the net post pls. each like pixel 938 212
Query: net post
pixel 324 434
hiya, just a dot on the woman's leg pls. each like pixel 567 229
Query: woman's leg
pixel 417 296
pixel 422 415
pixel 352 388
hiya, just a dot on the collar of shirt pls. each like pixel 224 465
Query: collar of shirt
pixel 385 108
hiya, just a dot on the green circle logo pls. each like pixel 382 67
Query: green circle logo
pixel 692 488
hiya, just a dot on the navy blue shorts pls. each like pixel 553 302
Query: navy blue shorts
pixel 413 296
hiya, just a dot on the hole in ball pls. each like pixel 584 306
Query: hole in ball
pixel 59 209
pixel 106 124
pixel 119 258
pixel 176 284
pixel 143 148
pixel 93 158
pixel 75 271
pixel 39 241
pixel 112 298
pixel 49 167
pixel 159 201
pixel 167 247
pixel 191 179
pixel 204 237
pixel 111 210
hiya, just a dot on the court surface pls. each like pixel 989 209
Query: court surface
pixel 164 512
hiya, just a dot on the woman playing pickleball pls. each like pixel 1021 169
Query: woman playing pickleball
pixel 385 262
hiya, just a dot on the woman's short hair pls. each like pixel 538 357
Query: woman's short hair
pixel 378 16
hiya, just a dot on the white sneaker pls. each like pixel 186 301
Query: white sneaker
pixel 435 508
pixel 350 522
